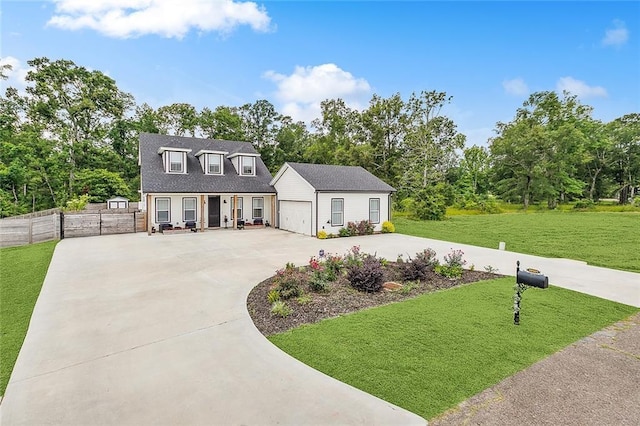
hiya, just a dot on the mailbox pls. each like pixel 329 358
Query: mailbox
pixel 533 280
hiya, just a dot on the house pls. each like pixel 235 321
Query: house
pixel 314 197
pixel 206 183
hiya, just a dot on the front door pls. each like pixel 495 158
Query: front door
pixel 214 211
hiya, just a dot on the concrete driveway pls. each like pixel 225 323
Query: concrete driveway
pixel 137 330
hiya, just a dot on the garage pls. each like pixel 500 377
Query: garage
pixel 295 216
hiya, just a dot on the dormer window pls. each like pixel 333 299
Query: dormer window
pixel 174 159
pixel 176 162
pixel 248 166
pixel 244 163
pixel 212 162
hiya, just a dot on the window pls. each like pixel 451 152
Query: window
pixel 163 210
pixel 215 164
pixel 117 204
pixel 247 165
pixel 176 161
pixel 189 209
pixel 374 210
pixel 258 208
pixel 239 210
pixel 337 211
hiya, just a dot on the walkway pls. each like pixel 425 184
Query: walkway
pixel 137 330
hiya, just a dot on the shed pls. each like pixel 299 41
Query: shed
pixel 118 203
pixel 314 197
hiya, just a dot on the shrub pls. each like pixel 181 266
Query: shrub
pixel 430 205
pixel 344 232
pixel 388 227
pixel 322 234
pixel 273 296
pixel 636 201
pixel 281 309
pixel 408 286
pixel 367 277
pixel 453 263
pixel 365 227
pixel 449 271
pixel 77 203
pixel 585 204
pixel 352 228
pixel 454 258
pixel 318 282
pixel 418 267
pixel 333 266
pixel 305 299
pixel 353 257
pixel 288 282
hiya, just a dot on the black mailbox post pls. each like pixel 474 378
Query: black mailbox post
pixel 524 279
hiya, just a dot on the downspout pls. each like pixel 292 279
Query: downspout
pixel 201 212
pixel 316 214
pixel 149 214
pixel 389 207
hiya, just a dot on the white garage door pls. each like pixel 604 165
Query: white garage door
pixel 295 216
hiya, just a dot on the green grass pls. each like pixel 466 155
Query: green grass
pixel 22 272
pixel 599 238
pixel 430 353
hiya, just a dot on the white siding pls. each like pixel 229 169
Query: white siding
pixel 356 208
pixel 292 187
pixel 176 212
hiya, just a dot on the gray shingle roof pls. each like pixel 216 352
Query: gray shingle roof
pixel 340 178
pixel 154 179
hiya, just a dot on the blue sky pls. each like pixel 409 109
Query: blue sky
pixel 488 55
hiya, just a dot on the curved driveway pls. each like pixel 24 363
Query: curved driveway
pixel 138 330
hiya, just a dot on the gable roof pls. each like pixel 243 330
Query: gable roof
pixel 324 177
pixel 154 179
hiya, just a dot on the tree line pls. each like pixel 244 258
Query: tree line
pixel 72 131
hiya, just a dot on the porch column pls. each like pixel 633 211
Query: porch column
pixel 234 213
pixel 148 214
pixel 201 213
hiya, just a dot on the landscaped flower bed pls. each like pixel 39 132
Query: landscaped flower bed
pixel 339 284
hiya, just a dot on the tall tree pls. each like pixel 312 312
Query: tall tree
pixel 74 107
pixel 180 119
pixel 537 154
pixel 431 141
pixel 625 134
pixel 222 123
pixel 384 126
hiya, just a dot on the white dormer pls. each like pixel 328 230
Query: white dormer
pixel 174 160
pixel 212 162
pixel 245 164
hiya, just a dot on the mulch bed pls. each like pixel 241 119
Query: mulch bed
pixel 342 299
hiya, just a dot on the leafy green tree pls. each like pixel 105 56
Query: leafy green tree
pixel 625 135
pixel 223 123
pixel 101 184
pixel 384 126
pixel 74 108
pixel 537 154
pixel 179 119
pixel 431 141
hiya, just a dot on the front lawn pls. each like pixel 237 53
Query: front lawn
pixel 22 272
pixel 430 353
pixel 599 238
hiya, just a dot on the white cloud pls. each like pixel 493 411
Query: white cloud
pixel 302 92
pixel 516 86
pixel 616 36
pixel 167 18
pixel 17 74
pixel 580 88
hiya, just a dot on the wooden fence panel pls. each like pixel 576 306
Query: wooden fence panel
pixel 118 223
pixel 81 225
pixel 14 232
pixel 45 228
